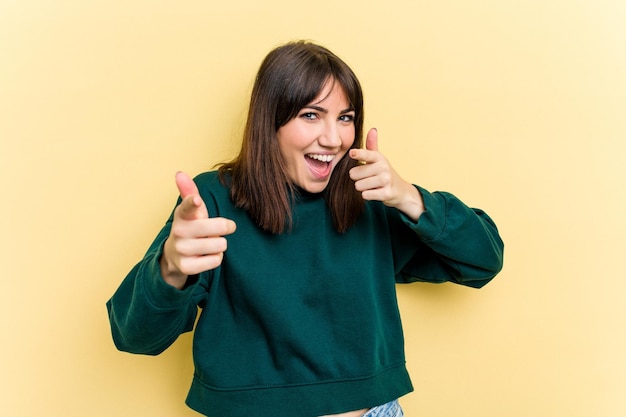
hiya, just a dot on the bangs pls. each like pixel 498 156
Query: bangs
pixel 297 92
pixel 305 80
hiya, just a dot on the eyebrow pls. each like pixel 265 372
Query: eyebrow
pixel 323 110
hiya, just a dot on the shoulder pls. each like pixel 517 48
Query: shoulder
pixel 210 181
pixel 207 178
pixel 211 185
pixel 214 190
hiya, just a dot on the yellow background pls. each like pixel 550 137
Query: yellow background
pixel 518 107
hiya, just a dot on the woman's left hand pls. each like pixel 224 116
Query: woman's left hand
pixel 377 180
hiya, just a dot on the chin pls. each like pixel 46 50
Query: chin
pixel 314 187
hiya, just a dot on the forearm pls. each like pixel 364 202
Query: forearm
pixel 467 237
pixel 461 244
pixel 146 314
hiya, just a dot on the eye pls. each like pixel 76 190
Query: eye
pixel 308 115
pixel 347 118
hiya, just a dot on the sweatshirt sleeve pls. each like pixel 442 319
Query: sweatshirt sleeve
pixel 146 314
pixel 455 243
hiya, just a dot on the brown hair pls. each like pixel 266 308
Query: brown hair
pixel 289 78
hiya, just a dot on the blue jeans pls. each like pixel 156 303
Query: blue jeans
pixel 391 409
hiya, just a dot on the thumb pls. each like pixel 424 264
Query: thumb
pixel 192 206
pixel 371 141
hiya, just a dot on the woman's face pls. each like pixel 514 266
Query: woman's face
pixel 313 142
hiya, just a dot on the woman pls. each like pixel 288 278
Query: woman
pixel 292 252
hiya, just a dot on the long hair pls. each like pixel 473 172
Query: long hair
pixel 289 78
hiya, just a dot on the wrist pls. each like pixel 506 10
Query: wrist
pixel 170 273
pixel 411 204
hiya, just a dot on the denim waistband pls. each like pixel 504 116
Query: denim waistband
pixel 391 409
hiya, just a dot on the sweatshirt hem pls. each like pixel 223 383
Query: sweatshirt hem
pixel 302 400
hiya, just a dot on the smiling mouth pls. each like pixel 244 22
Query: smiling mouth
pixel 320 157
pixel 320 165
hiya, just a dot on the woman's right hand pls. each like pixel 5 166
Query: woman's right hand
pixel 196 242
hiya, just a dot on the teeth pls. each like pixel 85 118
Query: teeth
pixel 323 158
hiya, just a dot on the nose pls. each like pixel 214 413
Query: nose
pixel 330 137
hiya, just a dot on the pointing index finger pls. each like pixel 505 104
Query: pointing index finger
pixel 185 185
pixel 192 206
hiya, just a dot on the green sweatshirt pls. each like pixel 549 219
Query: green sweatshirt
pixel 305 323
